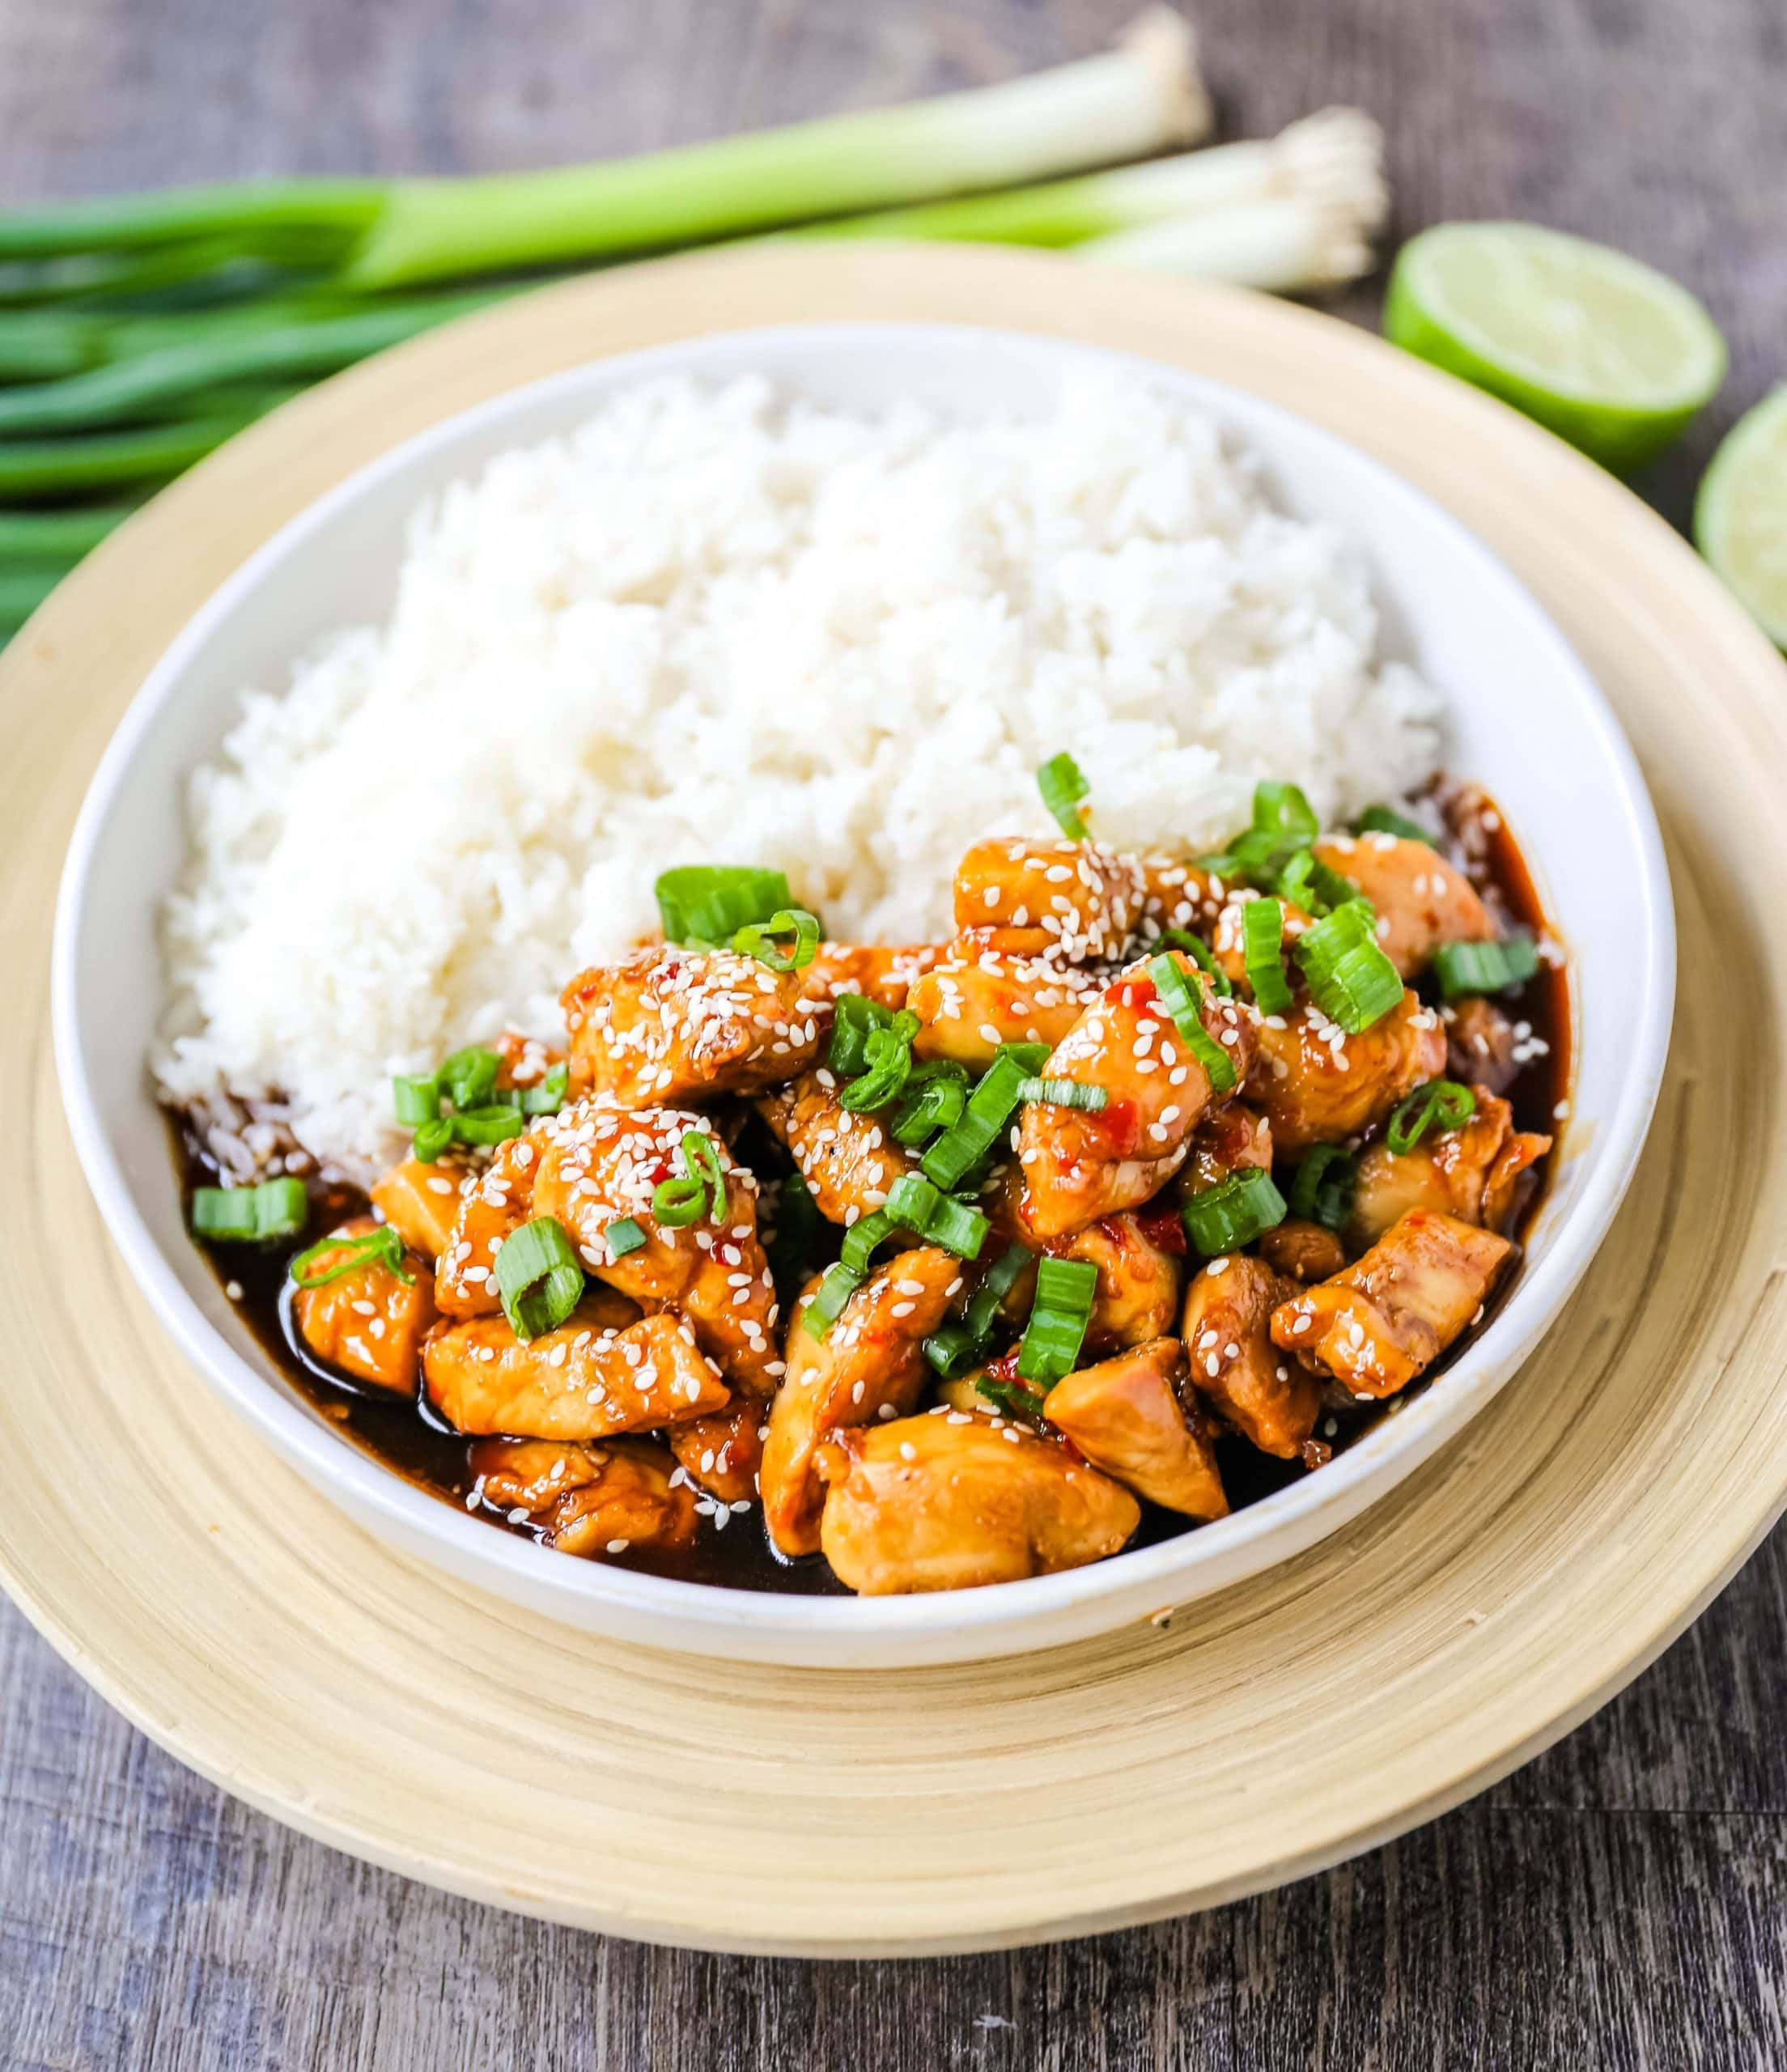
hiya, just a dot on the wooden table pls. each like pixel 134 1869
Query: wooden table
pixel 1622 1901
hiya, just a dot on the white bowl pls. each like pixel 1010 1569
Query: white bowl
pixel 1526 721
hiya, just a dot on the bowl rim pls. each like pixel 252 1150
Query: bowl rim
pixel 1395 1446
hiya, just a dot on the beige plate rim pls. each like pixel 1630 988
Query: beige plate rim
pixel 1455 1591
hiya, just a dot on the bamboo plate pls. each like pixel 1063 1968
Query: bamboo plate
pixel 1489 1603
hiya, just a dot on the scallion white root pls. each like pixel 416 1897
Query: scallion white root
pixel 1287 246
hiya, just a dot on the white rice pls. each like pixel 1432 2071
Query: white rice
pixel 722 626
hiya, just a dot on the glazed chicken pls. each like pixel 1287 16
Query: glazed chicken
pixel 1086 1228
pixel 954 1501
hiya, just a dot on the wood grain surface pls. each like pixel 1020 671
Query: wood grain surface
pixel 1621 1901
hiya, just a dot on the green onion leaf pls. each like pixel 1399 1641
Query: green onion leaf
pixel 1014 1399
pixel 469 1076
pixel 757 939
pixel 1485 967
pixel 1441 1100
pixel 432 1139
pixel 624 1235
pixel 1031 1056
pixel 1181 993
pixel 863 1236
pixel 1200 953
pixel 1221 1219
pixel 840 1282
pixel 251 1215
pixel 1262 948
pixel 1282 809
pixel 1065 1289
pixel 550 1094
pixel 954 1349
pixel 485 1126
pixel 1062 785
pixel 703 905
pixel 991 1106
pixel 1064 1093
pixel 1350 979
pixel 1308 883
pixel 538 1277
pixel 1322 1190
pixel 888 1052
pixel 936 1094
pixel 855 1018
pixel 918 1204
pixel 416 1100
pixel 699 1190
pixel 379 1247
pixel 1380 820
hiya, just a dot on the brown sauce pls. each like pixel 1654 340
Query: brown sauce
pixel 408 1438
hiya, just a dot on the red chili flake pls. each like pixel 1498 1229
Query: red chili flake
pixel 1116 1128
pixel 1163 1230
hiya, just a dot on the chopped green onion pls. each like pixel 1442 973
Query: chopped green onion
pixel 469 1076
pixel 1200 953
pixel 1233 1213
pixel 954 1349
pixel 840 1282
pixel 1280 808
pixel 798 1225
pixel 1181 993
pixel 1062 785
pixel 624 1235
pixel 1308 883
pixel 549 1095
pixel 1031 1056
pixel 704 905
pixel 1350 979
pixel 936 1094
pixel 757 939
pixel 888 1052
pixel 991 1106
pixel 698 1191
pixel 538 1277
pixel 1441 1100
pixel 250 1215
pixel 918 1204
pixel 1013 1398
pixel 484 1126
pixel 855 1019
pixel 1485 967
pixel 379 1247
pixel 863 1236
pixel 1255 858
pixel 1262 948
pixel 416 1100
pixel 1065 1289
pixel 432 1139
pixel 1380 820
pixel 1322 1190
pixel 1064 1093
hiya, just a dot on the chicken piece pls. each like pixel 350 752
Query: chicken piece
pixel 1078 1165
pixel 1421 900
pixel 674 1025
pixel 1501 1187
pixel 871 1362
pixel 523 1060
pixel 1480 1045
pixel 1227 1140
pixel 597 1164
pixel 883 974
pixel 954 1501
pixel 1177 894
pixel 421 1202
pixel 1073 902
pixel 1136 1418
pixel 976 999
pixel 599 1373
pixel 1138 1293
pixel 1375 1326
pixel 1302 1251
pixel 1448 1169
pixel 724 1453
pixel 1268 1398
pixel 498 1202
pixel 848 1160
pixel 588 1500
pixel 1318 1086
pixel 367 1321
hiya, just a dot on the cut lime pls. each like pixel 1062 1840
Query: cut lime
pixel 1740 516
pixel 1607 352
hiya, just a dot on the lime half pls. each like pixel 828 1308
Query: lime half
pixel 1740 516
pixel 1607 352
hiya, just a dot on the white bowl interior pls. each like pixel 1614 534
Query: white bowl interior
pixel 1525 721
